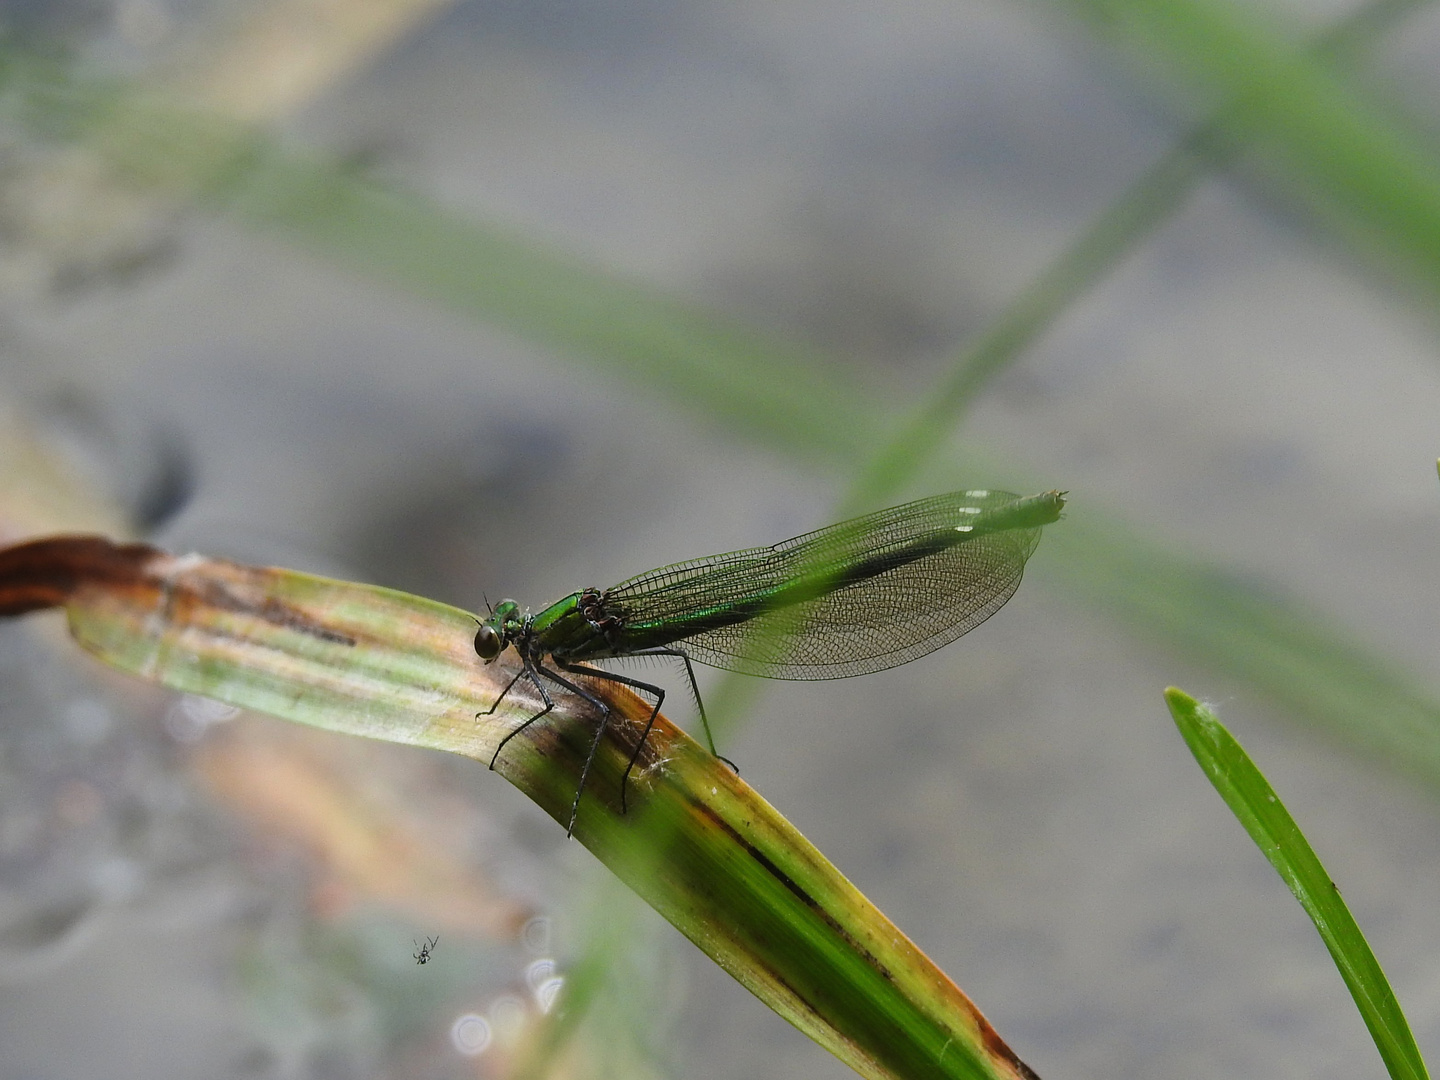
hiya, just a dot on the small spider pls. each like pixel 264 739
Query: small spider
pixel 422 955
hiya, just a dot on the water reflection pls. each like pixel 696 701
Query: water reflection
pixel 470 1034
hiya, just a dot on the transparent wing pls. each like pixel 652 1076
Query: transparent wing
pixel 856 597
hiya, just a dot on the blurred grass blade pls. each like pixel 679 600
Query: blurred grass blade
pixel 1099 249
pixel 1147 203
pixel 1374 178
pixel 698 845
pixel 269 58
pixel 721 368
pixel 609 987
pixel 153 147
pixel 1276 644
pixel 1274 831
pixel 585 979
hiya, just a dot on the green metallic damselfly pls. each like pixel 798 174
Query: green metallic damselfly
pixel 860 596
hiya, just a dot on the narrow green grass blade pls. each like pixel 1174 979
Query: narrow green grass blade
pixel 1274 831
pixel 697 843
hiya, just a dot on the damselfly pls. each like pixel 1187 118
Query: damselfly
pixel 860 596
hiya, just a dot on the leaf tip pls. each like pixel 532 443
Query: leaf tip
pixel 1191 715
pixel 1179 701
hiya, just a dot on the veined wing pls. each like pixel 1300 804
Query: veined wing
pixel 851 598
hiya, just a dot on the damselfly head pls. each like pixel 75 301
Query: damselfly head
pixel 495 632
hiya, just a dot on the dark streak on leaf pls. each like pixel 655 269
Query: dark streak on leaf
pixel 789 883
pixel 270 610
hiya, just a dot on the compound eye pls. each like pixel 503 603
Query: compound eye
pixel 487 642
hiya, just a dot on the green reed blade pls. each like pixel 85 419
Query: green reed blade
pixel 1252 800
